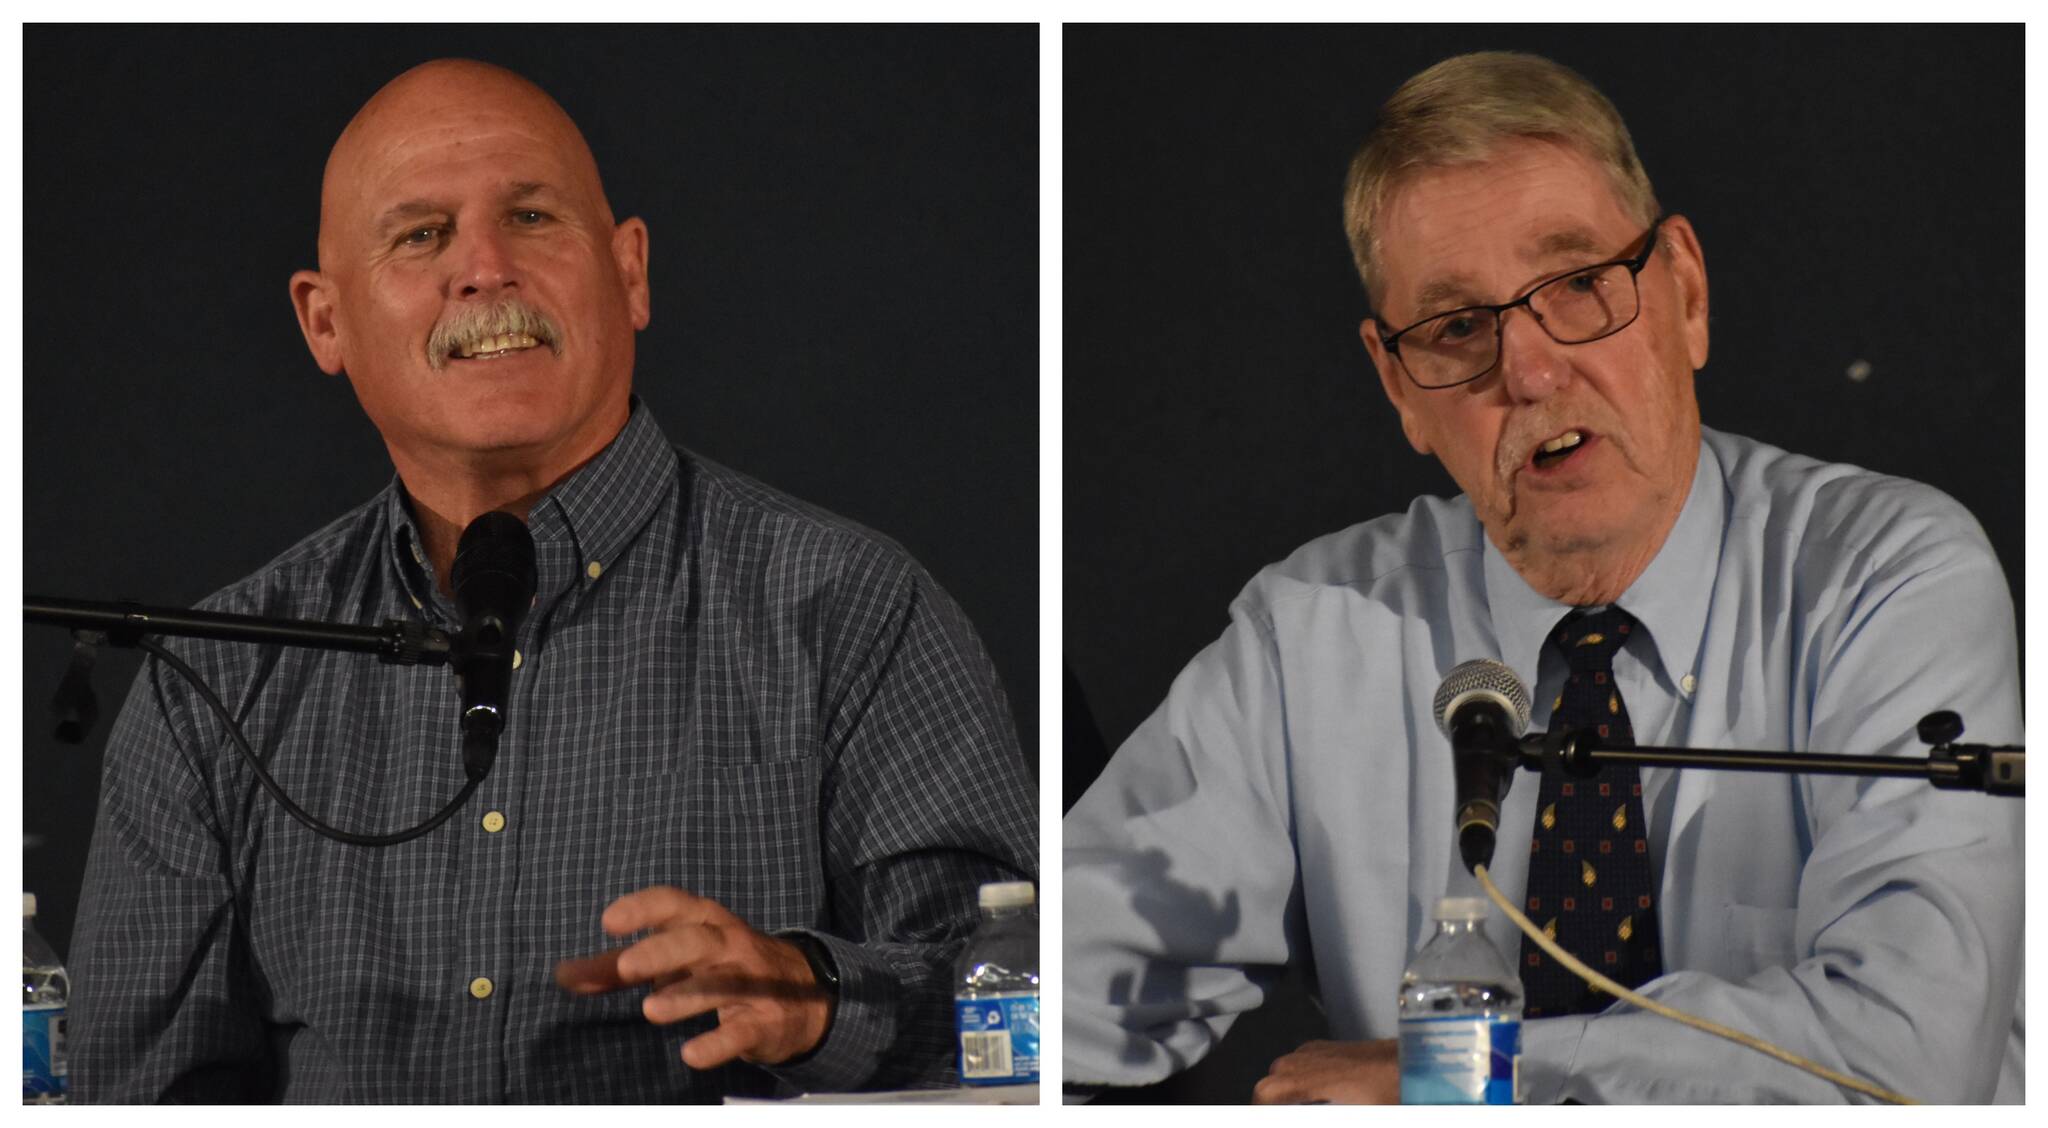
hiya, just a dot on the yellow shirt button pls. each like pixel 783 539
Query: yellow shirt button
pixel 480 987
pixel 594 570
pixel 494 821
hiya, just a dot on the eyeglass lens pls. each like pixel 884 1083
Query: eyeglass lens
pixel 1576 308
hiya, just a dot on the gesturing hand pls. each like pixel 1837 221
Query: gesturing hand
pixel 1333 1073
pixel 700 958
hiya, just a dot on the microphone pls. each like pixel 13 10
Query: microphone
pixel 1483 708
pixel 494 580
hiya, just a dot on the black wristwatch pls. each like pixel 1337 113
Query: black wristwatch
pixel 826 973
pixel 819 957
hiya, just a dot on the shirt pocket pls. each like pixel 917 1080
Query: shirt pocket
pixel 1755 937
pixel 743 834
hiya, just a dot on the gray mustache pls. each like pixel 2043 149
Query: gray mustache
pixel 474 323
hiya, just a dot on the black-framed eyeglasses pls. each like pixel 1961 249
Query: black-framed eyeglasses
pixel 1445 350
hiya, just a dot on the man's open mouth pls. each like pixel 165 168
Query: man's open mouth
pixel 490 348
pixel 1558 449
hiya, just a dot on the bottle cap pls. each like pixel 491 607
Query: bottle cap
pixel 1461 908
pixel 1007 895
pixel 28 904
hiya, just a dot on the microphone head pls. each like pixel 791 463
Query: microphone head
pixel 1485 679
pixel 494 571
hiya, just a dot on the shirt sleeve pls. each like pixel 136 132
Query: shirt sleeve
pixel 926 798
pixel 1182 903
pixel 162 1008
pixel 1910 902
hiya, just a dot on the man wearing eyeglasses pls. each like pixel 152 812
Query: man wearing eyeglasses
pixel 1537 323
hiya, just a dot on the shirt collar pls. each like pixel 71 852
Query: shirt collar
pixel 1669 599
pixel 601 506
pixel 597 509
pixel 408 552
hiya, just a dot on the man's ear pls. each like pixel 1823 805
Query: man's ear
pixel 1689 272
pixel 629 254
pixel 313 299
pixel 1395 384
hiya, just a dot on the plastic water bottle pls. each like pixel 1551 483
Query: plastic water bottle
pixel 995 989
pixel 44 991
pixel 1461 1015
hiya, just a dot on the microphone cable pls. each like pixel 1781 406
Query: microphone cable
pixel 256 764
pixel 1600 981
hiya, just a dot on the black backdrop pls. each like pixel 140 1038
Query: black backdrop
pixel 1858 197
pixel 844 230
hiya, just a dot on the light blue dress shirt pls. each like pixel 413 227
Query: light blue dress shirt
pixel 1291 800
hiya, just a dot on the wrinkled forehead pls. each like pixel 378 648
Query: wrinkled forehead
pixel 427 134
pixel 1460 232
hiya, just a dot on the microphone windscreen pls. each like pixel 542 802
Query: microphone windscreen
pixel 494 571
pixel 1486 679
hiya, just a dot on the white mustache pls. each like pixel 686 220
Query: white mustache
pixel 474 323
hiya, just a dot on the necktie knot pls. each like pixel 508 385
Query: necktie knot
pixel 1589 641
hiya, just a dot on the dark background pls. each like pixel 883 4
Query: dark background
pixel 844 228
pixel 1857 194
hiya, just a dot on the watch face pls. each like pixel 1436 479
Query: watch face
pixel 818 956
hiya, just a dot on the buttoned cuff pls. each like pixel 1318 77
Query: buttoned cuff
pixel 863 1022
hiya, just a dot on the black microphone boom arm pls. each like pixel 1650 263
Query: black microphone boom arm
pixel 1990 769
pixel 132 625
pixel 125 624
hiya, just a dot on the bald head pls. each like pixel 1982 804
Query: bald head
pixel 473 283
pixel 426 106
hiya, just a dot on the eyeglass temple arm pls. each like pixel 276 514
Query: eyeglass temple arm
pixel 1649 244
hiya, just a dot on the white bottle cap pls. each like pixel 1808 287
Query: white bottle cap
pixel 1007 895
pixel 1461 908
pixel 28 904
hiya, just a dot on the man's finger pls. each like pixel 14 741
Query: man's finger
pixel 590 975
pixel 686 998
pixel 1273 1089
pixel 659 904
pixel 676 950
pixel 716 1047
pixel 700 994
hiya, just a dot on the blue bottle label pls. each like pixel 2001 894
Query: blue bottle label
pixel 1459 1060
pixel 45 1067
pixel 998 1038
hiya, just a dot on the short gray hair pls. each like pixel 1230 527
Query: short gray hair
pixel 1459 110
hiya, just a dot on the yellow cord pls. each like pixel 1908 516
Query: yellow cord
pixel 1652 1005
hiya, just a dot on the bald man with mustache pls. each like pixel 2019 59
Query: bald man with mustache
pixel 756 767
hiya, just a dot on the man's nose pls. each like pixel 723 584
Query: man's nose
pixel 484 263
pixel 1533 366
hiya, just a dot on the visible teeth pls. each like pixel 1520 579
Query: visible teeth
pixel 1568 439
pixel 499 343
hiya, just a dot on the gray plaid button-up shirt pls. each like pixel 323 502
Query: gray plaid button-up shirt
pixel 719 688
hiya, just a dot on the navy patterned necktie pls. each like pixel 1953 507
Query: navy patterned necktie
pixel 1589 861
